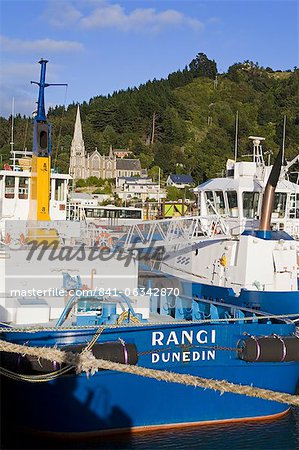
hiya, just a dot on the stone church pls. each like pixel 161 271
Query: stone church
pixel 84 165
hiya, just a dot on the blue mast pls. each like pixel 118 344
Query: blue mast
pixel 42 130
pixel 41 114
pixel 41 157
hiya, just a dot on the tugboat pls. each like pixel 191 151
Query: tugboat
pixel 238 196
pixel 122 356
pixel 255 267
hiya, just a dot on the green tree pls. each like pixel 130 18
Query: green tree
pixel 80 183
pixel 202 66
pixel 154 173
pixel 173 193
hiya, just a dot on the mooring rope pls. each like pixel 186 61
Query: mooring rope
pixel 6 328
pixel 86 362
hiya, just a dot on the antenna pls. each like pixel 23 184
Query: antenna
pixel 258 157
pixel 236 136
pixel 283 138
pixel 12 133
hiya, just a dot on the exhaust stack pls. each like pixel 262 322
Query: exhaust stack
pixel 268 200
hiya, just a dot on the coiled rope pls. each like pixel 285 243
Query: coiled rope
pixel 86 362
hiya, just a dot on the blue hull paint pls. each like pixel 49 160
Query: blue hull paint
pixel 267 301
pixel 271 302
pixel 111 400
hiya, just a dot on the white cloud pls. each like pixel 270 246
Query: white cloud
pixel 113 15
pixel 38 45
pixel 60 14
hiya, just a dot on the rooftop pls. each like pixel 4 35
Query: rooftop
pixel 128 164
pixel 181 179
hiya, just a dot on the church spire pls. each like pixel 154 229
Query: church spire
pixel 77 159
pixel 77 142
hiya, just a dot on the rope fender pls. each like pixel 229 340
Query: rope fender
pixel 86 362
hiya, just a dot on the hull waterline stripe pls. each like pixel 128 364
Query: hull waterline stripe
pixel 153 428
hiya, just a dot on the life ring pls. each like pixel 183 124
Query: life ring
pixel 15 242
pixel 104 240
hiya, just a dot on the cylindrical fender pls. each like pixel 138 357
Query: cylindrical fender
pixel 115 351
pixel 269 349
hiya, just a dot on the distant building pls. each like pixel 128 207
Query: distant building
pixel 179 181
pixel 128 188
pixel 84 199
pixel 121 153
pixel 84 165
pixel 128 167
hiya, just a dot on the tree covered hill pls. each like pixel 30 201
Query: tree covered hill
pixel 183 123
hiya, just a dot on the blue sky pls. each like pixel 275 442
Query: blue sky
pixel 99 46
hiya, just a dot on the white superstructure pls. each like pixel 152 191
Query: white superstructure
pixel 15 195
pixel 238 196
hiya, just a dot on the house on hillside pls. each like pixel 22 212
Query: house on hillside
pixel 129 188
pixel 121 152
pixel 179 181
pixel 127 167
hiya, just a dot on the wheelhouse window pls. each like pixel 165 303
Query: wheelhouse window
pixel 132 214
pixel 23 187
pixel 112 214
pixel 89 212
pixel 250 204
pixel 59 190
pixel 232 201
pixel 98 213
pixel 279 207
pixel 10 187
pixel 220 205
pixel 210 202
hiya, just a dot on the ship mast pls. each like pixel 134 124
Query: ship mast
pixel 12 133
pixel 41 154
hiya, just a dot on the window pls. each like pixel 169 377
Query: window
pixel 129 214
pixel 10 187
pixel 111 214
pixel 132 214
pixel 210 202
pixel 89 212
pixel 59 190
pixel 250 204
pixel 297 206
pixel 23 187
pixel 96 213
pixel 43 140
pixel 232 201
pixel 220 205
pixel 279 207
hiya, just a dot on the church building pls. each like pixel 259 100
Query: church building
pixel 84 165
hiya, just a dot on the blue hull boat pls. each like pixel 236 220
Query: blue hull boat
pixel 111 400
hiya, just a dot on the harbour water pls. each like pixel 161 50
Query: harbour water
pixel 281 434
